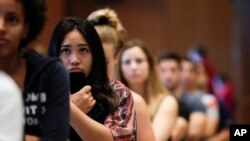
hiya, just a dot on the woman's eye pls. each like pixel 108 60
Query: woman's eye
pixel 84 50
pixel 12 19
pixel 126 62
pixel 139 61
pixel 64 50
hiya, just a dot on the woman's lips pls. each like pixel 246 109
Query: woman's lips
pixel 75 70
pixel 3 42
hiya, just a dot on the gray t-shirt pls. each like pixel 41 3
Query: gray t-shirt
pixel 194 102
pixel 202 102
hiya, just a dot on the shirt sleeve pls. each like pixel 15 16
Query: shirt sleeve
pixel 55 122
pixel 11 110
pixel 212 106
pixel 198 107
pixel 122 122
pixel 194 103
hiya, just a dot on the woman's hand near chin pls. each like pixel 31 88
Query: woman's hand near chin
pixel 83 99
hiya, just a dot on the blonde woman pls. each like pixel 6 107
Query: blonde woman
pixel 136 69
pixel 111 33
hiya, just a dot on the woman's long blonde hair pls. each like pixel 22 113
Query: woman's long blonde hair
pixel 153 86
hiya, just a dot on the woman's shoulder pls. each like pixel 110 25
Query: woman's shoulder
pixel 120 89
pixel 38 62
pixel 119 86
pixel 167 104
pixel 9 88
pixel 40 67
pixel 138 98
pixel 140 103
pixel 169 101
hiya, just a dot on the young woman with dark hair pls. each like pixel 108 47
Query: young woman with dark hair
pixel 39 78
pixel 111 33
pixel 100 109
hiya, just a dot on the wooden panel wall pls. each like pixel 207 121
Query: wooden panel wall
pixel 241 61
pixel 173 24
pixel 56 11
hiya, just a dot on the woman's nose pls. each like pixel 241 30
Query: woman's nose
pixel 74 59
pixel 133 65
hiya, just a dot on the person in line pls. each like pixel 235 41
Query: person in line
pixel 43 81
pixel 137 70
pixel 101 109
pixel 170 71
pixel 197 53
pixel 192 95
pixel 111 32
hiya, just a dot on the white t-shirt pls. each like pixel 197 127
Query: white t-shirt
pixel 11 110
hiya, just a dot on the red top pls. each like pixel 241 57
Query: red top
pixel 121 121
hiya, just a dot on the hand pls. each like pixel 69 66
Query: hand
pixel 83 99
pixel 31 138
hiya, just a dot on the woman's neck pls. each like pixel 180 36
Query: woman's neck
pixel 15 66
pixel 138 88
pixel 9 64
